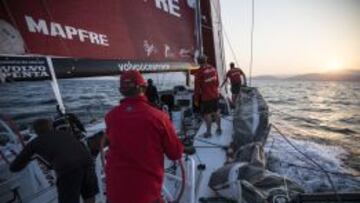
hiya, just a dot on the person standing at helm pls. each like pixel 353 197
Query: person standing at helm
pixel 139 135
pixel 234 74
pixel 207 94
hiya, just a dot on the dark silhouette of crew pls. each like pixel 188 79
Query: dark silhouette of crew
pixel 72 162
pixel 152 93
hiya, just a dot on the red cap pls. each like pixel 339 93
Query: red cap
pixel 130 79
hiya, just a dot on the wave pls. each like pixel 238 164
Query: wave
pixel 351 120
pixel 312 121
pixel 283 159
pixel 48 101
pixel 344 103
pixel 346 131
pixel 277 102
pixel 319 110
pixel 316 124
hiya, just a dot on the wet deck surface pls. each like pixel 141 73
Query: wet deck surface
pixel 213 157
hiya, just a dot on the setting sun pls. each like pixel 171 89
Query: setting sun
pixel 334 65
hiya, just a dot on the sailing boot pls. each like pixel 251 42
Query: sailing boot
pixel 207 135
pixel 218 132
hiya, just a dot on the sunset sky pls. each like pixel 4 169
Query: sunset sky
pixel 294 36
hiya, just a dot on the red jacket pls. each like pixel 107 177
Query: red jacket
pixel 234 74
pixel 206 84
pixel 139 136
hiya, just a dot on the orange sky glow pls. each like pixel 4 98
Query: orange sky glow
pixel 294 36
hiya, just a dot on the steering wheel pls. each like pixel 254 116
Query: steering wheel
pixel 4 138
pixel 174 175
pixel 175 180
pixel 14 128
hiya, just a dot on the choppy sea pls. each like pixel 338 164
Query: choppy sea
pixel 321 118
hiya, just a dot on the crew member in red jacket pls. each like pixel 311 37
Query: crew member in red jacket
pixel 139 135
pixel 234 74
pixel 207 94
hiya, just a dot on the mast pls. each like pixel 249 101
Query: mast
pixel 199 35
pixel 218 31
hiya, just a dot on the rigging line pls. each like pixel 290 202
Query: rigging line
pixel 12 18
pixel 225 34
pixel 231 48
pixel 311 160
pixel 346 175
pixel 297 157
pixel 198 158
pixel 252 40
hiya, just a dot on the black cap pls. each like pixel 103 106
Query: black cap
pixel 150 81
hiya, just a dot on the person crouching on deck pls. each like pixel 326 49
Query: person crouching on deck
pixel 234 74
pixel 69 158
pixel 139 135
pixel 207 94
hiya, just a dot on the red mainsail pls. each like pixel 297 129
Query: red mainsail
pixel 148 30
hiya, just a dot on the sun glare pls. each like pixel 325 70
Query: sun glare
pixel 334 65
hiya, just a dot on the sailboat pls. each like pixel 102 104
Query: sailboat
pixel 50 40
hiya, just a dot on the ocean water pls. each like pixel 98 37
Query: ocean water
pixel 325 112
pixel 89 98
pixel 321 118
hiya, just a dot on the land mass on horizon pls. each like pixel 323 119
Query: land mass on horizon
pixel 345 75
